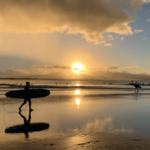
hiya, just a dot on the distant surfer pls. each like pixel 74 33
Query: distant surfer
pixel 27 97
pixel 136 85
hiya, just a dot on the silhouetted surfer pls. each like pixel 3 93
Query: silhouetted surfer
pixel 27 97
pixel 136 85
pixel 26 123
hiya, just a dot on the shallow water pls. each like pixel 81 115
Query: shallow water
pixel 77 111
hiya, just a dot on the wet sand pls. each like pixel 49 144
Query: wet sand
pixel 80 121
pixel 103 141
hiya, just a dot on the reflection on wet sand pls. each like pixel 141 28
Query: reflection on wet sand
pixel 77 92
pixel 27 126
pixel 99 126
pixel 105 125
pixel 78 102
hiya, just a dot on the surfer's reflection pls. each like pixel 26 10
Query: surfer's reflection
pixel 27 97
pixel 136 90
pixel 26 123
pixel 27 126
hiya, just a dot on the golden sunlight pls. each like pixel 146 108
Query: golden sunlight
pixel 77 92
pixel 77 68
pixel 78 102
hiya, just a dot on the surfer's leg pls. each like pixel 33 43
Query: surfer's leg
pixel 30 105
pixel 22 104
pixel 136 90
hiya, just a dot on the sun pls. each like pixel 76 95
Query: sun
pixel 77 68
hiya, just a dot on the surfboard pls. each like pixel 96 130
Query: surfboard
pixel 136 85
pixel 33 93
pixel 33 127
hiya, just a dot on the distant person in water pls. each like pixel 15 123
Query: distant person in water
pixel 27 97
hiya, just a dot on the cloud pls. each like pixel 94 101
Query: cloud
pixel 110 37
pixel 76 69
pixel 145 38
pixel 113 67
pixel 49 67
pixel 122 38
pixel 146 1
pixel 62 72
pixel 108 44
pixel 138 31
pixel 61 67
pixel 89 18
pixel 133 67
pixel 54 71
pixel 116 67
pixel 148 20
pixel 119 75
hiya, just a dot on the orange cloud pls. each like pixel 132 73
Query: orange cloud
pixel 89 18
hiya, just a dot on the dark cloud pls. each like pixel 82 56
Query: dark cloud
pixel 90 18
pixel 49 67
pixel 116 67
pixel 120 75
pixel 61 67
pixel 59 73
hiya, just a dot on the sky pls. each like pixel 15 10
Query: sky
pixel 108 39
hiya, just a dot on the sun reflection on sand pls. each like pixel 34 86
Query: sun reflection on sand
pixel 78 102
pixel 77 92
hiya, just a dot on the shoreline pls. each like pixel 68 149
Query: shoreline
pixel 109 87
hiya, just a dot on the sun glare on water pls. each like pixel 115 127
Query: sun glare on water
pixel 77 68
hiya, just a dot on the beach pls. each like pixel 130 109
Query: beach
pixel 80 115
pixel 74 75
